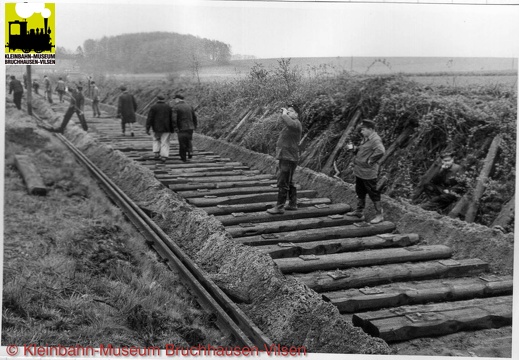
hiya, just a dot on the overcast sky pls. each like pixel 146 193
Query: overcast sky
pixel 269 29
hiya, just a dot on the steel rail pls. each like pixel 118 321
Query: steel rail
pixel 230 318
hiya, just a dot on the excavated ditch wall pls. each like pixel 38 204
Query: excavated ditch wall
pixel 467 240
pixel 286 310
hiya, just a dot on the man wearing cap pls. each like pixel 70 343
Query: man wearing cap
pixel 287 152
pixel 126 107
pixel 365 169
pixel 445 187
pixel 186 122
pixel 160 120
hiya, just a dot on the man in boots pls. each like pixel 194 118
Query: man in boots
pixel 287 152
pixel 365 169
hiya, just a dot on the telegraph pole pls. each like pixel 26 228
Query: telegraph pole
pixel 29 90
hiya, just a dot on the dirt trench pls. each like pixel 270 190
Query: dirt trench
pixel 467 240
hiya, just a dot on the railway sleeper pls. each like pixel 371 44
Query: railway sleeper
pixel 166 172
pixel 346 260
pixel 260 206
pixel 302 213
pixel 334 246
pixel 202 186
pixel 408 322
pixel 316 234
pixel 325 281
pixel 212 200
pixel 176 162
pixel 230 191
pixel 419 292
pixel 249 229
pixel 235 180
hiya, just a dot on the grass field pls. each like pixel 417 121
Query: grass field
pixel 428 71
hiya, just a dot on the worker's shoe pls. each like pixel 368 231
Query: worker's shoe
pixel 356 213
pixel 359 211
pixel 291 207
pixel 379 217
pixel 292 198
pixel 278 209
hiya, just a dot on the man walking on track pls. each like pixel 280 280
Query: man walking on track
pixel 16 88
pixel 186 123
pixel 77 101
pixel 287 152
pixel 160 120
pixel 126 108
pixel 60 89
pixel 48 88
pixel 95 99
pixel 365 169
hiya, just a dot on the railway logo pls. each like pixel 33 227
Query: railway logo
pixel 29 33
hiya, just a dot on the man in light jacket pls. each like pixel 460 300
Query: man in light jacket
pixel 365 168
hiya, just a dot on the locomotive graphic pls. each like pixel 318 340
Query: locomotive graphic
pixel 20 38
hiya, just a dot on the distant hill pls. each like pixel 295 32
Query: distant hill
pixel 152 52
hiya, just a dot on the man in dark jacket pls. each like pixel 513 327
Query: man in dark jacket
pixel 365 169
pixel 186 122
pixel 35 86
pixel 445 187
pixel 77 101
pixel 16 88
pixel 126 108
pixel 160 120
pixel 287 152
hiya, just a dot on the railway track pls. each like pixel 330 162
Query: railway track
pixel 394 286
pixel 229 317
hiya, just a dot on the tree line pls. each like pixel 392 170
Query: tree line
pixel 151 52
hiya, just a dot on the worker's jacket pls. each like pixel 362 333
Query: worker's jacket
pixel 367 155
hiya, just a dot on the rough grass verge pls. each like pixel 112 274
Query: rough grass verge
pixel 74 270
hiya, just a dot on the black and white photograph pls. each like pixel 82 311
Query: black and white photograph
pixel 281 179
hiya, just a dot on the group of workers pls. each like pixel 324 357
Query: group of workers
pixel 440 192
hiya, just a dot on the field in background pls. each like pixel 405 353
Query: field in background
pixel 428 71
